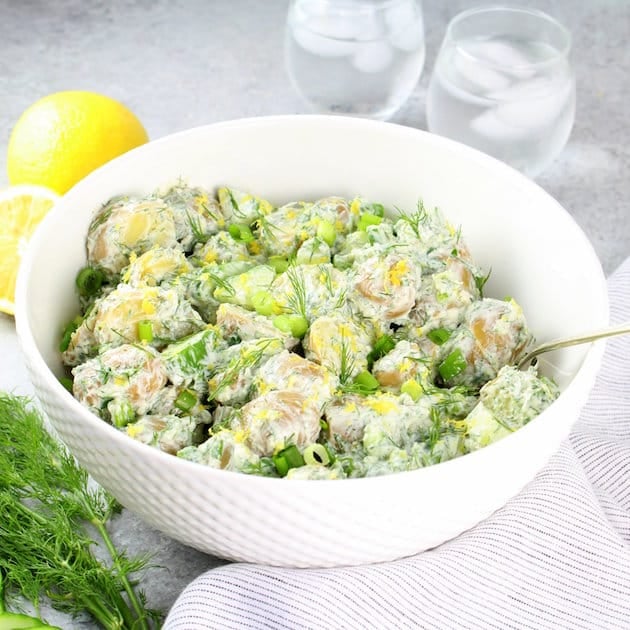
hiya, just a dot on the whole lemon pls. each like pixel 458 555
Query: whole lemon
pixel 64 136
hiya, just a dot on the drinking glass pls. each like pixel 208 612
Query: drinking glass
pixel 357 57
pixel 503 83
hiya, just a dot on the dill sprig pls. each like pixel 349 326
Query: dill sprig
pixel 49 512
pixel 346 363
pixel 267 229
pixel 196 227
pixel 297 299
pixel 416 219
pixel 222 283
pixel 480 281
pixel 248 357
pixel 325 273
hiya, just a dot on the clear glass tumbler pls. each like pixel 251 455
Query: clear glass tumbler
pixel 356 57
pixel 503 83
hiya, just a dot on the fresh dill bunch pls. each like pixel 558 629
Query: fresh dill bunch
pixel 49 512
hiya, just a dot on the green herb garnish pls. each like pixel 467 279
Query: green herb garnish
pixel 439 335
pixel 383 345
pixel 240 232
pixel 289 457
pixel 89 281
pixel 480 282
pixel 46 547
pixel 452 365
pixel 317 453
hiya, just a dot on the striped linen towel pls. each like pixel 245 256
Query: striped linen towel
pixel 556 556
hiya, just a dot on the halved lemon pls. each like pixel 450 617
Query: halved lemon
pixel 21 210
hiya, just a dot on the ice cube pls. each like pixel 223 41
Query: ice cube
pixel 372 57
pixel 507 57
pixel 409 39
pixel 533 104
pixel 398 16
pixel 471 72
pixel 333 34
pixel 405 26
pixel 368 27
pixel 489 125
pixel 317 42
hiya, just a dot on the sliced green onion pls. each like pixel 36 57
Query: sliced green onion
pixel 262 301
pixel 241 232
pixel 439 335
pixel 326 232
pixel 347 464
pixel 123 414
pixel 366 381
pixel 316 454
pixel 452 365
pixel 64 344
pixel 185 400
pixel 282 322
pixel 383 345
pixel 288 457
pixel 279 263
pixel 66 381
pixel 367 219
pixel 89 280
pixel 412 388
pixel 378 209
pixel 281 464
pixel 145 330
pixel 295 325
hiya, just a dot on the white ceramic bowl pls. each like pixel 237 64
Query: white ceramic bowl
pixel 537 254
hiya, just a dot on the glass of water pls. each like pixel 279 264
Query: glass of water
pixel 356 57
pixel 503 83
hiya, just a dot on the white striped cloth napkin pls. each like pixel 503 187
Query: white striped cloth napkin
pixel 556 556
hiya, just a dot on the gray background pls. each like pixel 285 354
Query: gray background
pixel 179 64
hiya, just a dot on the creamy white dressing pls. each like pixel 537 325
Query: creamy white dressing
pixel 315 340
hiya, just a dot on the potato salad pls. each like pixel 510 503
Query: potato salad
pixel 321 339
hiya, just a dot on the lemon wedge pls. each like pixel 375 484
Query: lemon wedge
pixel 21 210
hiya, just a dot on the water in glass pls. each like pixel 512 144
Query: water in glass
pixel 357 57
pixel 511 97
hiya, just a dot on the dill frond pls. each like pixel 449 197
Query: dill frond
pixel 49 512
pixel 296 300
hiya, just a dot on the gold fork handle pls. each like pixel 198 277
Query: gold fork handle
pixel 556 344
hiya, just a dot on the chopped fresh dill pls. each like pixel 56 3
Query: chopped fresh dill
pixel 223 283
pixel 195 226
pixel 415 219
pixel 346 362
pixel 214 216
pixel 248 358
pixel 328 281
pixel 436 429
pixel 480 281
pixel 235 209
pixel 297 299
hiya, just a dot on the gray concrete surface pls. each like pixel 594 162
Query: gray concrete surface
pixel 183 63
